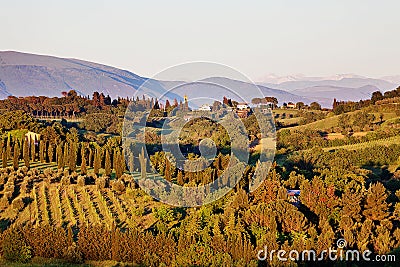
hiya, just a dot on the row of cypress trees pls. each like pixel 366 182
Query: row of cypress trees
pixel 67 154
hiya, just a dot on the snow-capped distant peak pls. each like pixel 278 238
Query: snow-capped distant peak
pixel 276 79
pixel 339 77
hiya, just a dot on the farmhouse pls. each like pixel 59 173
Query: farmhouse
pixel 242 106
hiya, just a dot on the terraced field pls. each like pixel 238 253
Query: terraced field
pixel 334 120
pixel 317 125
pixel 385 141
pixel 38 201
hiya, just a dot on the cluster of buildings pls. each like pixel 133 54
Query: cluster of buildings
pixel 242 109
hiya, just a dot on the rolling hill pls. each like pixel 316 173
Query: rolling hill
pixel 345 87
pixel 297 82
pixel 23 74
pixel 340 93
pixel 218 87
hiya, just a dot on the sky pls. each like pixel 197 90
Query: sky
pixel 315 38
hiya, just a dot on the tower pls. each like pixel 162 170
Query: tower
pixel 186 105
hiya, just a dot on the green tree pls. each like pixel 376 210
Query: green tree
pixel 59 156
pixel 8 146
pixel 363 119
pixel 119 163
pixel 65 156
pixel 42 152
pixel 179 178
pixel 97 162
pixel 4 157
pixel 107 164
pixel 315 106
pixel 83 160
pixel 143 164
pixel 16 155
pixel 376 208
pixel 33 150
pixel 376 96
pixel 122 162
pixel 131 162
pixel 50 152
pixel 167 172
pixel 300 105
pixel 25 153
pixel 351 201
pixel 72 156
pixel 15 247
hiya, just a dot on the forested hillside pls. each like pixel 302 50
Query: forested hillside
pixel 66 192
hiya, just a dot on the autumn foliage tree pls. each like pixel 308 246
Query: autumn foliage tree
pixel 375 207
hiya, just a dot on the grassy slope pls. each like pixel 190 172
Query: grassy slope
pixel 384 141
pixel 333 121
pixel 319 125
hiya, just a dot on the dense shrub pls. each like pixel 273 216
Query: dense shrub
pixel 15 247
pixel 102 182
pixel 73 255
pixel 18 204
pixel 118 186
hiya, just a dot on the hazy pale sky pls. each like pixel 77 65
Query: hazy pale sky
pixel 255 37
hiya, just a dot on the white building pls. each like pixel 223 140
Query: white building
pixel 205 107
pixel 291 105
pixel 242 106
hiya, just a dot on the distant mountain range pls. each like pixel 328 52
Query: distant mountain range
pixel 300 81
pixel 324 89
pixel 23 74
pixel 196 91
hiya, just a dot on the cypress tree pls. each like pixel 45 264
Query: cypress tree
pixel 72 156
pixel 131 162
pixel 143 162
pixel 59 156
pixel 65 156
pixel 33 149
pixel 97 162
pixel 179 178
pixel 42 148
pixel 90 157
pixel 167 172
pixel 83 161
pixel 25 153
pixel 115 159
pixel 50 152
pixel 8 152
pixel 107 164
pixel 16 156
pixel 4 157
pixel 120 164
